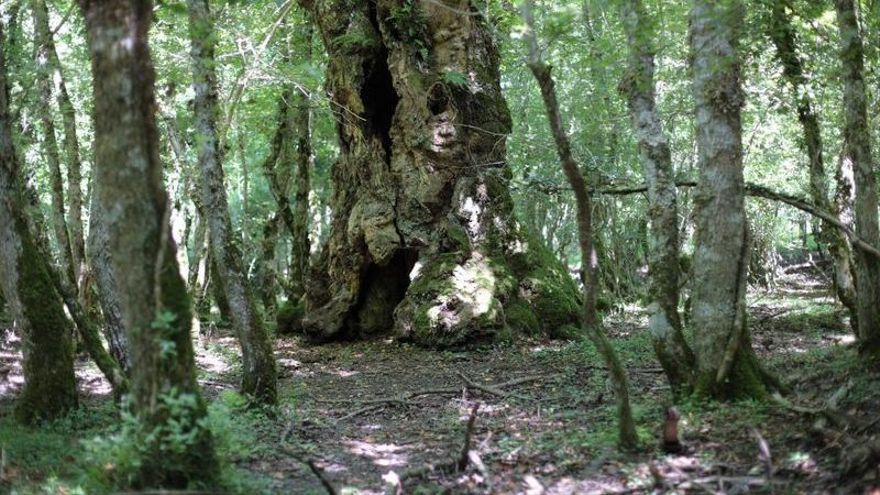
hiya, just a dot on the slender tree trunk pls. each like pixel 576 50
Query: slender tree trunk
pixel 45 48
pixel 71 144
pixel 178 186
pixel 302 127
pixel 153 299
pixel 726 364
pixel 628 437
pixel 259 373
pixel 424 242
pixel 50 385
pixel 268 275
pixel 857 154
pixel 638 86
pixel 782 33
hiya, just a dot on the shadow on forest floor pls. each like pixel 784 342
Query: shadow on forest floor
pixel 367 413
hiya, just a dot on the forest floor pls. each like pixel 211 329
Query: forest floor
pixel 361 417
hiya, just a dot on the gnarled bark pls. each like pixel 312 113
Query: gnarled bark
pixel 153 300
pixel 423 238
pixel 672 350
pixel 259 375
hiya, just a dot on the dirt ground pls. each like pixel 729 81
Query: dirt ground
pixel 538 416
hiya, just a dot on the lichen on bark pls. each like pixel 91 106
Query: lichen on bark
pixel 424 242
pixel 49 390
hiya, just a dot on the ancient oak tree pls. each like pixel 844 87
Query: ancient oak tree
pixel 423 239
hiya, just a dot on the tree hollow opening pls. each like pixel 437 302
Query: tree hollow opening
pixel 382 289
pixel 380 100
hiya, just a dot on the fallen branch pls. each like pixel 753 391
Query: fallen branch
pixel 485 388
pixel 453 465
pixel 404 400
pixel 313 467
pixel 319 473
pixel 753 190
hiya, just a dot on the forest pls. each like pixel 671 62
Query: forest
pixel 439 246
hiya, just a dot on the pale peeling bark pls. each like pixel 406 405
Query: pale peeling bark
pixel 857 154
pixel 423 238
pixel 45 48
pixel 627 435
pixel 259 375
pixel 726 364
pixel 782 33
pixel 638 87
pixel 50 384
pixel 154 304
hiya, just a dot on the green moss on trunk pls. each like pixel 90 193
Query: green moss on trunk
pixel 47 343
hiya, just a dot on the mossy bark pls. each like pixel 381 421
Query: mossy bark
pixel 300 243
pixel 673 351
pixel 726 364
pixel 857 154
pixel 50 143
pixel 46 335
pixel 424 242
pixel 71 142
pixel 782 33
pixel 259 374
pixel 176 447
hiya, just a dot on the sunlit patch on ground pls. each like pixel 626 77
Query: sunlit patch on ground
pixel 367 413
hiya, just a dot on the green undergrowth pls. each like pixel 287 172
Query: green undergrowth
pixel 90 450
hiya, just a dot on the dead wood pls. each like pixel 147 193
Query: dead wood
pixel 313 467
pixel 452 465
pixel 405 400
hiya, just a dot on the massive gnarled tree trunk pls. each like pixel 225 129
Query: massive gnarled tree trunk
pixel 672 350
pixel 153 300
pixel 857 155
pixel 50 385
pixel 782 33
pixel 726 363
pixel 259 376
pixel 424 240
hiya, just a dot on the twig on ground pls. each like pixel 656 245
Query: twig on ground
pixel 319 473
pixel 370 405
pixel 453 465
pixel 313 467
pixel 485 388
pixel 468 434
pixel 764 453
